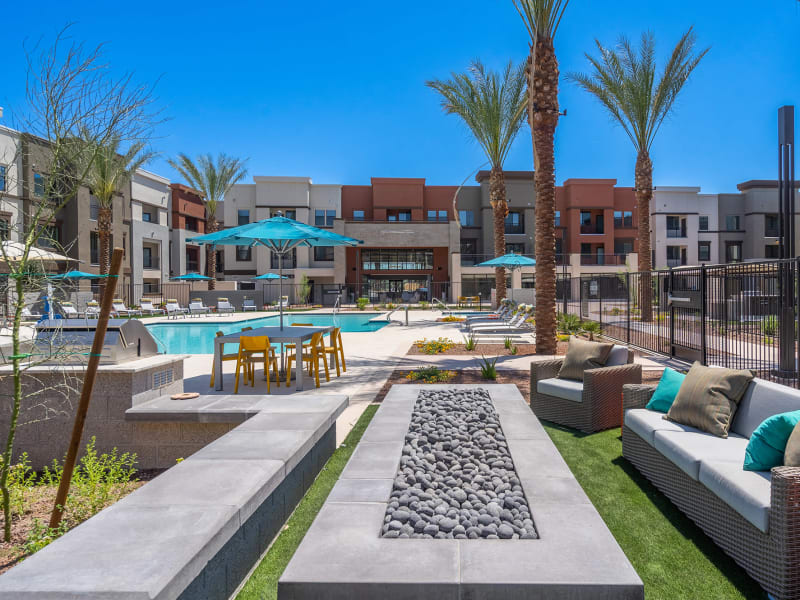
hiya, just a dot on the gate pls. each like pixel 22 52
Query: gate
pixel 686 314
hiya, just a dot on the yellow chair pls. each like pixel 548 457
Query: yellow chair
pixel 252 350
pixel 336 349
pixel 291 346
pixel 224 358
pixel 312 354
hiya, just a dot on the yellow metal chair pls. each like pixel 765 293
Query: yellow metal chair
pixel 291 346
pixel 336 349
pixel 311 354
pixel 224 358
pixel 253 350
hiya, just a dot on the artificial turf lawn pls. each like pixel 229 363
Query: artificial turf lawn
pixel 263 583
pixel 674 558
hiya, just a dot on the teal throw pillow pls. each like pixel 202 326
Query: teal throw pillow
pixel 768 442
pixel 667 389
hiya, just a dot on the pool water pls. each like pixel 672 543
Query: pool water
pixel 180 337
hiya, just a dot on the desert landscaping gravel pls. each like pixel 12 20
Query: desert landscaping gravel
pixel 456 478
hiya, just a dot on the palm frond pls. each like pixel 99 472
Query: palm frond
pixel 110 167
pixel 491 104
pixel 213 178
pixel 623 79
pixel 541 17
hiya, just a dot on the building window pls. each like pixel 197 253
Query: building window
pixel 732 222
pixel 676 227
pixel 358 215
pixel 289 260
pixel 243 216
pixel 243 253
pixel 191 223
pixel 2 178
pixel 623 246
pixel 324 218
pixel 514 223
pixel 398 215
pixel 733 251
pixel 397 260
pixel 703 251
pixel 675 256
pixel 323 253
pixel 437 215
pixel 94 208
pixel 623 218
pixel 94 248
pixel 771 251
pixel 703 223
pixel 38 185
pixel 192 263
pixel 474 285
pixel 515 248
pixel 147 216
pixel 771 226
pixel 558 218
pixel 149 258
pixel 4 229
pixel 467 218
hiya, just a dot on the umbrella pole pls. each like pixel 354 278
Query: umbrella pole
pixel 280 286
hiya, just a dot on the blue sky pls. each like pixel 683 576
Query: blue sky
pixel 335 90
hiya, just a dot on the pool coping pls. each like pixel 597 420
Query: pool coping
pixel 342 555
pixel 210 320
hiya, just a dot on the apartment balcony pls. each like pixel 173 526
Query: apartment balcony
pixel 152 263
pixel 192 266
pixel 288 262
pixel 515 229
pixel 771 233
pixel 473 260
pixel 676 262
pixel 676 233
pixel 592 230
pixel 603 259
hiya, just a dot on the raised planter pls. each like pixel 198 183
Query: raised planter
pixel 343 556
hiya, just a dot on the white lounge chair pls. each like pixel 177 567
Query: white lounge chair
pixel 248 304
pixel 505 313
pixel 119 309
pixel 223 306
pixel 515 325
pixel 147 307
pixel 174 309
pixel 196 307
pixel 92 310
pixel 70 312
pixel 284 301
pixel 514 317
pixel 27 315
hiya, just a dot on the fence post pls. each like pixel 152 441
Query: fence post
pixel 670 292
pixel 600 298
pixel 628 305
pixel 703 299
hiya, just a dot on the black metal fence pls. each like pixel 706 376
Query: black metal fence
pixel 742 315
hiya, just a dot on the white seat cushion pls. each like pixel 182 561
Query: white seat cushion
pixel 618 356
pixel 686 449
pixel 566 389
pixel 746 492
pixel 645 423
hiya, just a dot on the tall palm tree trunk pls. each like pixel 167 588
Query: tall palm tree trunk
pixel 211 254
pixel 644 194
pixel 104 226
pixel 543 118
pixel 497 200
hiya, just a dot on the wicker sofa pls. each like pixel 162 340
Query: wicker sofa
pixel 753 516
pixel 591 405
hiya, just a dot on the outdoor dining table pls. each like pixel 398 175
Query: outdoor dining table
pixel 287 335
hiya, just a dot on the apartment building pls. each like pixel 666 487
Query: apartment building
pixel 187 219
pixel 295 198
pixel 684 225
pixel 150 232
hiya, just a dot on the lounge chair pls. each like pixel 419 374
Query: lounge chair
pixel 248 304
pixel 146 306
pixel 515 323
pixel 283 301
pixel 196 307
pixel 223 306
pixel 505 313
pixel 174 309
pixel 27 315
pixel 69 310
pixel 119 309
pixel 92 310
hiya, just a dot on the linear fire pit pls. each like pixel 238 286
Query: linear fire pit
pixel 558 548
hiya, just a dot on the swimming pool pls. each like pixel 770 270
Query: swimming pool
pixel 181 337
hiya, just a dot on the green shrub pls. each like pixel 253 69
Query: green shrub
pixel 569 324
pixel 424 304
pixel 592 328
pixel 488 370
pixel 769 326
pixel 434 346
pixel 362 303
pixel 508 343
pixel 469 343
pixel 40 535
pixel 430 375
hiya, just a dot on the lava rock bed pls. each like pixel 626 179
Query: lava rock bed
pixel 456 478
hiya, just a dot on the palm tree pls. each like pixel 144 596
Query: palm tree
pixel 492 105
pixel 106 174
pixel 213 179
pixel 625 82
pixel 542 18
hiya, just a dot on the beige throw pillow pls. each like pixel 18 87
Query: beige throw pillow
pixel 582 355
pixel 708 398
pixel 791 456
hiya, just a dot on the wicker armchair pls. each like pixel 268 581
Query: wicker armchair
pixel 601 398
pixel 772 558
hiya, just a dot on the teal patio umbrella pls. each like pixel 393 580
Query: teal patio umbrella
pixel 190 277
pixel 278 234
pixel 266 276
pixel 73 275
pixel 509 261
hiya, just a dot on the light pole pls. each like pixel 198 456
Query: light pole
pixel 786 271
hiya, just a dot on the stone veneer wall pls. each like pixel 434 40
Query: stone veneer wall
pixel 46 421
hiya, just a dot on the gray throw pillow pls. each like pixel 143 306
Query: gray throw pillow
pixel 708 398
pixel 791 456
pixel 582 355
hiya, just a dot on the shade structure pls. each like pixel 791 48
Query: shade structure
pixel 77 275
pixel 278 234
pixel 266 276
pixel 13 251
pixel 509 261
pixel 190 277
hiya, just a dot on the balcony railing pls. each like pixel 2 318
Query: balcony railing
pixel 192 266
pixel 603 259
pixel 771 233
pixel 676 233
pixel 151 263
pixel 288 262
pixel 676 262
pixel 515 229
pixel 472 260
pixel 592 230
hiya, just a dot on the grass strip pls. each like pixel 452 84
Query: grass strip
pixel 673 556
pixel 263 583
